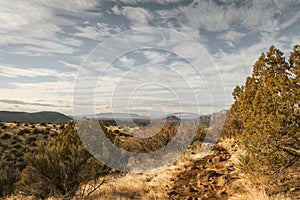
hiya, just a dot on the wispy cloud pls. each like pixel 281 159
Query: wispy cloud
pixel 14 72
pixel 37 26
pixel 18 102
pixel 231 37
pixel 156 57
pixel 43 44
pixel 69 65
pixel 96 32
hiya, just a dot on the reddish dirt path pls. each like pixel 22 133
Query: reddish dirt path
pixel 207 178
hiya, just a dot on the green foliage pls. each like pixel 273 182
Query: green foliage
pixel 265 116
pixel 60 166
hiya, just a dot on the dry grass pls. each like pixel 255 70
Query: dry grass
pixel 247 188
pixel 155 185
pixel 143 186
pixel 252 192
pixel 130 186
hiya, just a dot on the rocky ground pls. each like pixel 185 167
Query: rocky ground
pixel 206 178
pixel 192 177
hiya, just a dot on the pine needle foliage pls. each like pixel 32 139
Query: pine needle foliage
pixel 265 116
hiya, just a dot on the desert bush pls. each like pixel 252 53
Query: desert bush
pixel 16 139
pixel 46 132
pixel 18 153
pixel 62 126
pixel 4 146
pixel 8 179
pixel 60 166
pixel 3 126
pixel 23 131
pixel 30 140
pixel 20 164
pixel 53 134
pixel 37 131
pixel 17 146
pixel 5 136
pixel 13 151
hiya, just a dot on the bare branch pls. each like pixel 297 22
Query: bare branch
pixel 290 150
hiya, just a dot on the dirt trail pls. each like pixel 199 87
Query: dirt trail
pixel 206 178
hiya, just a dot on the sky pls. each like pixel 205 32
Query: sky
pixel 174 56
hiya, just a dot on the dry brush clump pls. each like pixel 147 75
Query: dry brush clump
pixel 59 167
pixel 8 178
pixel 18 139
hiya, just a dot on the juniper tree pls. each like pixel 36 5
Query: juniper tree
pixel 265 113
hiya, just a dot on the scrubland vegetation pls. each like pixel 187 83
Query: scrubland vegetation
pixel 257 156
pixel 18 139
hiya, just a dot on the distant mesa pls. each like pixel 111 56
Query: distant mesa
pixel 38 117
pixel 130 116
pixel 119 116
pixel 184 115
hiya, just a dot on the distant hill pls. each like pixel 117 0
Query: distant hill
pixel 38 117
pixel 119 116
pixel 184 115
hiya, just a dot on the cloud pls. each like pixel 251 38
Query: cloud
pixel 61 34
pixel 231 37
pixel 13 72
pixel 69 65
pixel 156 57
pixel 127 61
pixel 35 27
pixel 18 102
pixel 147 1
pixel 149 84
pixel 55 96
pixel 70 5
pixel 49 88
pixel 215 16
pixel 137 16
pixel 97 32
